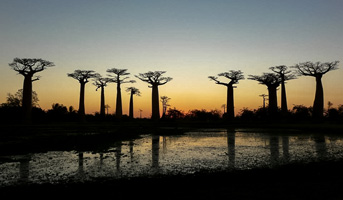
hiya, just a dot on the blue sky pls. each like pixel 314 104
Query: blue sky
pixel 189 39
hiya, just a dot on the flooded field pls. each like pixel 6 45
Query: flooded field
pixel 152 155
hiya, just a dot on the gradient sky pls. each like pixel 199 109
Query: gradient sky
pixel 189 39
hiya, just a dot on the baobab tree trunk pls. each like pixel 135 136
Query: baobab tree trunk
pixel 27 98
pixel 119 109
pixel 155 103
pixel 284 107
pixel 272 107
pixel 82 100
pixel 131 106
pixel 229 102
pixel 318 104
pixel 102 102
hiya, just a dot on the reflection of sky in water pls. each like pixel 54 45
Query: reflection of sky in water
pixel 182 154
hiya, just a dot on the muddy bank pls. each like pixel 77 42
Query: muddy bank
pixel 318 180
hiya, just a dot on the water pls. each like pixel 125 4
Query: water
pixel 153 155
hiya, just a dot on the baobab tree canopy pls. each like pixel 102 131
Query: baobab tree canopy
pixel 133 90
pixel 83 76
pixel 315 68
pixel 233 75
pixel 119 75
pixel 30 66
pixel 283 72
pixel 154 78
pixel 100 82
pixel 267 79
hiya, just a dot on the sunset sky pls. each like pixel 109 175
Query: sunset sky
pixel 191 40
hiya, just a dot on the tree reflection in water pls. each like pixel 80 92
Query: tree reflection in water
pixel 187 153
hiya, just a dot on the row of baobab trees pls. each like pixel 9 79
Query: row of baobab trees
pixel 28 67
pixel 278 76
pixel 120 76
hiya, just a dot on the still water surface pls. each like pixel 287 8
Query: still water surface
pixel 188 153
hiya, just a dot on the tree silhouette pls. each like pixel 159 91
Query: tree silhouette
pixel 28 67
pixel 264 97
pixel 224 107
pixel 272 81
pixel 83 77
pixel 284 75
pixel 155 79
pixel 119 77
pixel 164 100
pixel 16 100
pixel 317 70
pixel 107 107
pixel 174 113
pixel 234 77
pixel 133 91
pixel 101 83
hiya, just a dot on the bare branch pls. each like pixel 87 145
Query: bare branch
pixel 36 78
pixel 101 82
pixel 214 78
pixel 83 75
pixel 315 69
pixel 283 72
pixel 133 90
pixel 164 80
pixel 119 75
pixel 268 79
pixel 233 75
pixel 154 78
pixel 29 66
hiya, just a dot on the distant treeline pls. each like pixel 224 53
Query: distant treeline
pixel 10 113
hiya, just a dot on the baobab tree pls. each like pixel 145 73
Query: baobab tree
pixel 264 97
pixel 83 77
pixel 285 75
pixel 133 91
pixel 164 100
pixel 120 77
pixel 234 77
pixel 317 70
pixel 272 81
pixel 101 82
pixel 28 67
pixel 155 79
pixel 107 107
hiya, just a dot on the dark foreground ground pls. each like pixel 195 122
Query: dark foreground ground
pixel 320 180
